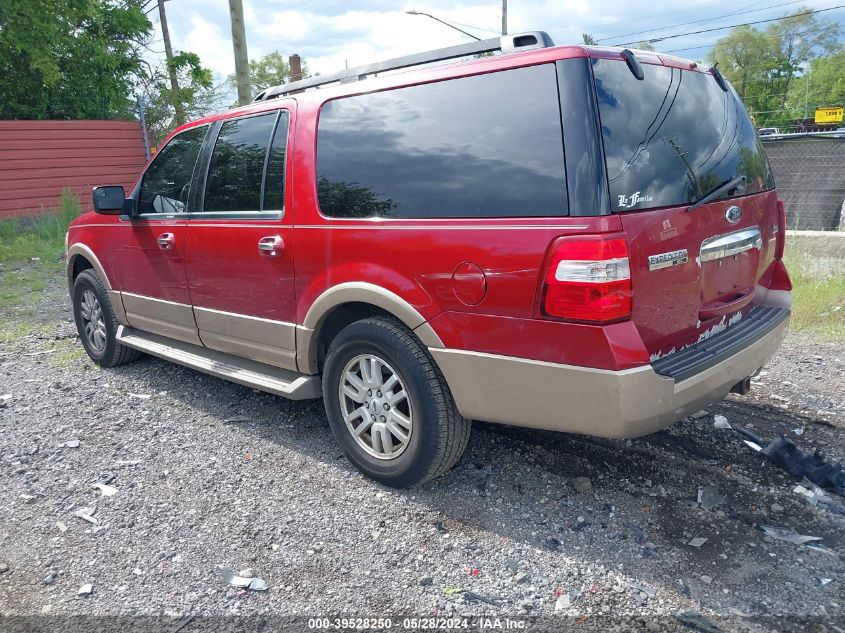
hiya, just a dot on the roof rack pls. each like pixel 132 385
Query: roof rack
pixel 506 43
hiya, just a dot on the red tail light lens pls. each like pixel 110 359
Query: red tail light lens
pixel 588 279
pixel 780 242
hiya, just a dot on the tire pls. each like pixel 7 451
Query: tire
pixel 89 297
pixel 437 435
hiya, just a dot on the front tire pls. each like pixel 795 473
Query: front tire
pixel 389 406
pixel 96 323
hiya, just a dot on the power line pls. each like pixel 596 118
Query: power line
pixel 713 19
pixel 829 27
pixel 731 26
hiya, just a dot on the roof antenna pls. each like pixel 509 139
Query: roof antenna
pixel 633 64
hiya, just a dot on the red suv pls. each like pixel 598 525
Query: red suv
pixel 572 238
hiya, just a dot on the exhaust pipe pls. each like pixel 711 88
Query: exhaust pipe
pixel 742 387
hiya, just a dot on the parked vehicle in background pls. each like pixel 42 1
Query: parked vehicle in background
pixel 769 131
pixel 563 238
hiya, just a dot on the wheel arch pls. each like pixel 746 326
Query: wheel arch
pixel 344 304
pixel 79 258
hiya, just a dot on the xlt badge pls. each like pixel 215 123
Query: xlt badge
pixel 664 260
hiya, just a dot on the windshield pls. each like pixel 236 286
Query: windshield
pixel 673 137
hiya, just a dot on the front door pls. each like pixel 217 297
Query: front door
pixel 150 257
pixel 239 243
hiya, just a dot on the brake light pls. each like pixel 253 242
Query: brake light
pixel 780 242
pixel 588 279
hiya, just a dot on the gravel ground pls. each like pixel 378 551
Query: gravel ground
pixel 210 473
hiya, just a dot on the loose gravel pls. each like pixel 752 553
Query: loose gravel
pixel 196 473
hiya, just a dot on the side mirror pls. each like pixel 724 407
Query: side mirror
pixel 109 200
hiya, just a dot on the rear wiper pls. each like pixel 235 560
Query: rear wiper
pixel 733 183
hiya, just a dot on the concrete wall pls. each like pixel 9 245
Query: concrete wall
pixel 810 177
pixel 40 158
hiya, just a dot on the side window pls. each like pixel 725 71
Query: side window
pixel 236 169
pixel 167 181
pixel 482 146
pixel 274 180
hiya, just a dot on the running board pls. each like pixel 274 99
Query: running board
pixel 282 382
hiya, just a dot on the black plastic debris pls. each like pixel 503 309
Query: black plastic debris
pixel 698 622
pixel 784 453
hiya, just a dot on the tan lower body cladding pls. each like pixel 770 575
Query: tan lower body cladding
pixel 615 404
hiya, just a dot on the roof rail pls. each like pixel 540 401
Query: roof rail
pixel 506 43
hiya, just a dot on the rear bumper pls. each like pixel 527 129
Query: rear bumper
pixel 598 402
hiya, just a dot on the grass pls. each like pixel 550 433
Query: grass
pixel 818 298
pixel 41 237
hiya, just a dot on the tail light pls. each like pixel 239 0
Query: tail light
pixel 588 279
pixel 780 242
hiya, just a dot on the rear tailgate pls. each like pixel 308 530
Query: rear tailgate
pixel 670 139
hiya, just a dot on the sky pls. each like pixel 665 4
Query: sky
pixel 331 34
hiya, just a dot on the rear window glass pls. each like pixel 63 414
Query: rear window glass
pixel 673 137
pixel 482 146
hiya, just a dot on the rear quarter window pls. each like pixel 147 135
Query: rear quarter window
pixel 481 146
pixel 672 137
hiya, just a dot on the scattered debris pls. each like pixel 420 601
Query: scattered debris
pixel 141 396
pixel 450 591
pixel 4 567
pixel 698 541
pixel 49 578
pixel 788 534
pixel 700 415
pixel 237 420
pixel 425 581
pixel 825 581
pixel 42 353
pixel 471 596
pixel 128 462
pixel 520 577
pixel 583 484
pixel 512 565
pixel 564 601
pixel 785 454
pixel 709 497
pixel 62 527
pixel 721 422
pixel 244 582
pixel 643 588
pixel 85 590
pixel 816 497
pixel 4 399
pixel 798 431
pixel 698 622
pixel 72 443
pixel 105 490
pixel 87 514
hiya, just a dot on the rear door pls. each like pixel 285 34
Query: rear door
pixel 670 139
pixel 240 243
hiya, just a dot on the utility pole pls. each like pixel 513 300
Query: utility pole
pixel 504 17
pixel 171 69
pixel 236 12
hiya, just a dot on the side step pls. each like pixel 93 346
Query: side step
pixel 282 382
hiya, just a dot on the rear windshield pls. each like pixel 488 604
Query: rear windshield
pixel 673 137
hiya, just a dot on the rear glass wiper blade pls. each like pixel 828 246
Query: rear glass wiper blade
pixel 733 183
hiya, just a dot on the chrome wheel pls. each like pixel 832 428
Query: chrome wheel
pixel 92 321
pixel 375 406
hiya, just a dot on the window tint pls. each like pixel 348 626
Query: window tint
pixel 673 137
pixel 167 181
pixel 274 181
pixel 482 146
pixel 237 164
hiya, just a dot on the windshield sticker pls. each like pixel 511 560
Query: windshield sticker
pixel 628 202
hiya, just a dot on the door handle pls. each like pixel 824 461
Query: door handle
pixel 166 241
pixel 271 246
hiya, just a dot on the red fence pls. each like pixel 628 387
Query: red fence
pixel 40 158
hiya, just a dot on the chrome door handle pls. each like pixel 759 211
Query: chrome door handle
pixel 166 241
pixel 271 246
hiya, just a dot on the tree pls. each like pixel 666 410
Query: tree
pixel 645 45
pixel 271 70
pixel 197 95
pixel 589 40
pixel 762 65
pixel 823 84
pixel 70 59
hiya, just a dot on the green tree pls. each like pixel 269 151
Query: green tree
pixel 268 71
pixel 197 94
pixel 589 39
pixel 70 59
pixel 823 84
pixel 645 46
pixel 762 65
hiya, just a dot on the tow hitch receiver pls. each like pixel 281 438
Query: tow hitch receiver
pixel 742 387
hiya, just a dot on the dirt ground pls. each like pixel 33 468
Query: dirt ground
pixel 209 473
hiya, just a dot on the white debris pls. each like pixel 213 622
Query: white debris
pixel 256 584
pixel 85 590
pixel 563 602
pixel 721 422
pixel 62 527
pixel 106 491
pixel 798 431
pixel 141 396
pixel 72 443
pixel 698 541
pixel 753 445
pixel 87 514
pixel 788 534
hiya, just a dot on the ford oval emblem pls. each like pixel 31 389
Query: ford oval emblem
pixel 733 214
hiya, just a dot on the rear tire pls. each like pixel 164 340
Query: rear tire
pixel 389 406
pixel 96 323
